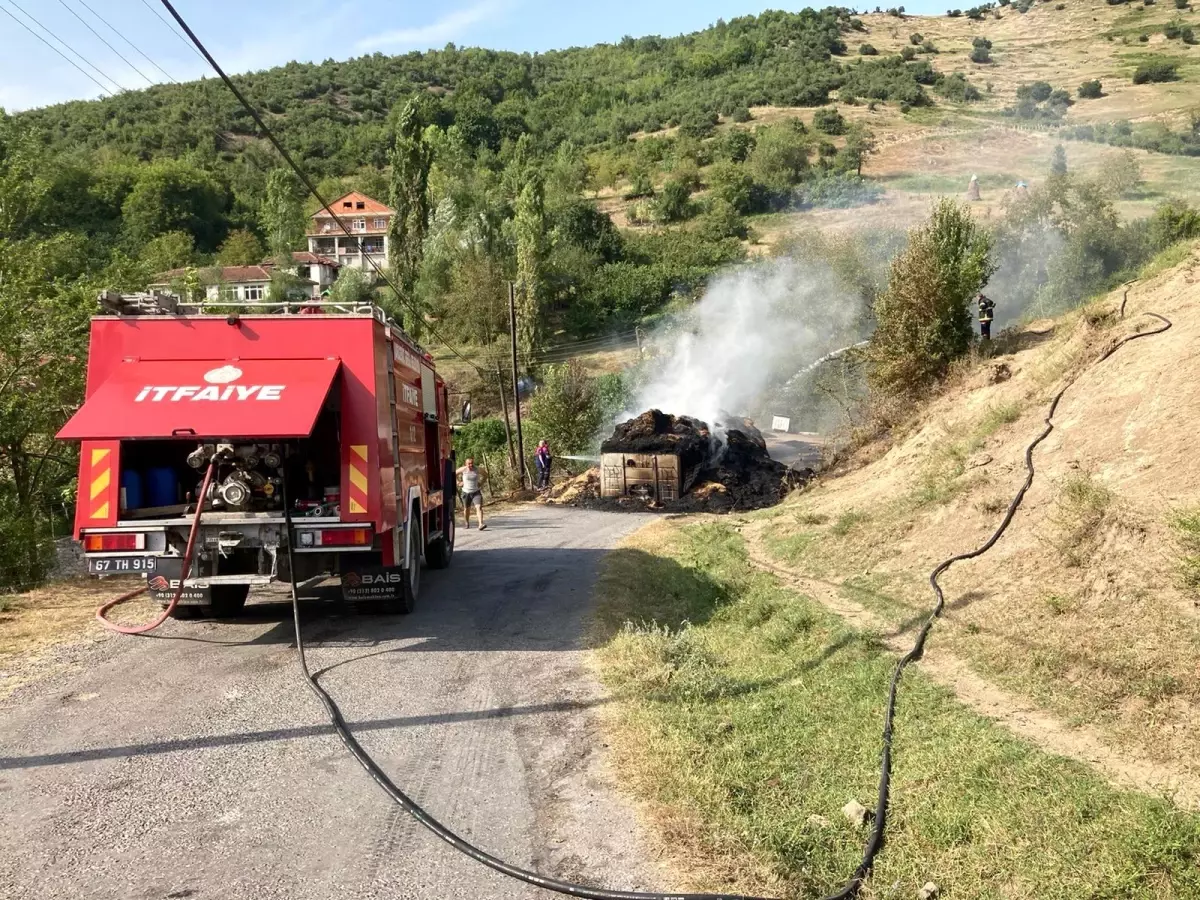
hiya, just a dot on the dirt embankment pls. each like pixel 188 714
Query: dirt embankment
pixel 1088 605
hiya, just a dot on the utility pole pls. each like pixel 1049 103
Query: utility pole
pixel 512 330
pixel 512 457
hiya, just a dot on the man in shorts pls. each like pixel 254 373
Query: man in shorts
pixel 471 481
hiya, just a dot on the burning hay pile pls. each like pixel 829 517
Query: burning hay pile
pixel 660 461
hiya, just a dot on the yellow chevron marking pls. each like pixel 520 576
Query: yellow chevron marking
pixel 101 482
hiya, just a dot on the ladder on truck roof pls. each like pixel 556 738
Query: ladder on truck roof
pixel 160 303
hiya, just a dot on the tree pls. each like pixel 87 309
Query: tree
pixel 924 316
pixel 860 143
pixel 1122 175
pixel 732 184
pixel 44 308
pixel 411 159
pixel 1058 161
pixel 529 223
pixel 353 287
pixel 780 157
pixel 282 216
pixel 674 203
pixel 1090 90
pixel 241 248
pixel 867 50
pixel 980 54
pixel 566 410
pixel 172 195
pixel 172 250
pixel 829 120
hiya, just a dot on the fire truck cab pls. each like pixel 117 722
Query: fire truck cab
pixel 327 433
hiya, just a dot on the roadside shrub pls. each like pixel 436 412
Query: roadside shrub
pixel 924 315
pixel 915 39
pixel 479 439
pixel 829 120
pixel 565 410
pixel 928 47
pixel 1090 90
pixel 697 124
pixel 839 192
pixel 26 553
pixel 1155 72
pixel 674 204
pixel 1174 220
pixel 908 54
pixel 867 50
pixel 741 114
pixel 956 88
pixel 1037 91
pixel 1172 29
pixel 1182 4
pixel 1187 35
pixel 640 184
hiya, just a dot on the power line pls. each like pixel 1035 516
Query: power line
pixel 121 56
pixel 81 57
pixel 136 48
pixel 305 180
pixel 167 25
pixel 55 49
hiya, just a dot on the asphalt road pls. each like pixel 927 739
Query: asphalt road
pixel 195 763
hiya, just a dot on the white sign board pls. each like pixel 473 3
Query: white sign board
pixel 781 423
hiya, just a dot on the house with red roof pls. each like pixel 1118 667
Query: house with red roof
pixel 312 274
pixel 368 222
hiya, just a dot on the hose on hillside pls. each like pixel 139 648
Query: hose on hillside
pixel 875 840
pixel 102 612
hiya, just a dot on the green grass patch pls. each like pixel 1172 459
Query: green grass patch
pixel 847 522
pixel 922 183
pixel 1167 259
pixel 996 417
pixel 1082 506
pixel 1186 525
pixel 749 727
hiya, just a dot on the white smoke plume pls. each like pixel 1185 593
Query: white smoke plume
pixel 752 330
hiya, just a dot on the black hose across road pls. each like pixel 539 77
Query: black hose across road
pixel 875 839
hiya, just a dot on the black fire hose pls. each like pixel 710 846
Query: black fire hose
pixel 875 839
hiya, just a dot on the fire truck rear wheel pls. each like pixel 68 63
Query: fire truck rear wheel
pixel 439 551
pixel 228 600
pixel 412 580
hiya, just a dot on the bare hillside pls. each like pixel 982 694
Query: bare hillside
pixel 1087 606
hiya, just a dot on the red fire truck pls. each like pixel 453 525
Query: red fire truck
pixel 329 432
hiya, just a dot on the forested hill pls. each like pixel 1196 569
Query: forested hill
pixel 335 114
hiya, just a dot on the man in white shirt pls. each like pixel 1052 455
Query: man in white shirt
pixel 471 479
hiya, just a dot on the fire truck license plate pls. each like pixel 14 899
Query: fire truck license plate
pixel 119 565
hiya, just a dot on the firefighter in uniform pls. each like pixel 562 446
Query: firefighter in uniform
pixel 987 310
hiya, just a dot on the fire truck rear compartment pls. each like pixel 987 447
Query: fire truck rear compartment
pixel 239 542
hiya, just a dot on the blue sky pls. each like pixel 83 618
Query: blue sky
pixel 248 35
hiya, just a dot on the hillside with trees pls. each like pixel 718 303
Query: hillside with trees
pixel 608 182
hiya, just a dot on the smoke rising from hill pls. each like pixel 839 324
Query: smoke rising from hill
pixel 753 329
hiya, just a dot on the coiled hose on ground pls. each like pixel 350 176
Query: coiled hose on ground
pixel 102 612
